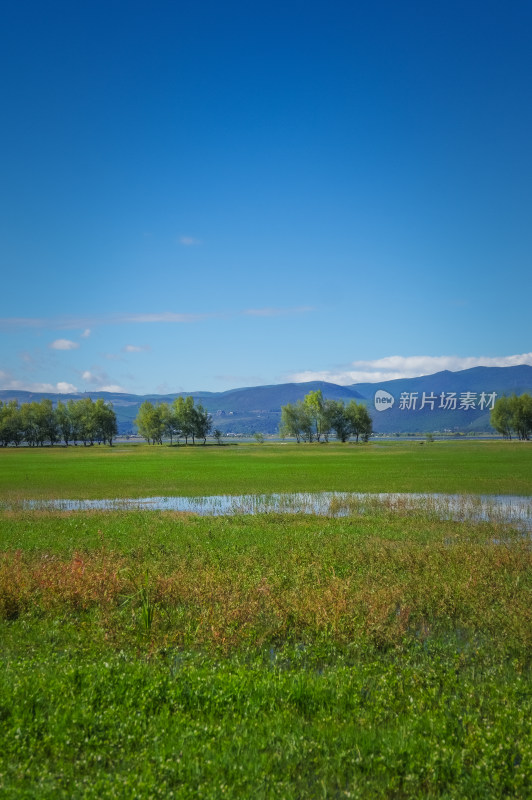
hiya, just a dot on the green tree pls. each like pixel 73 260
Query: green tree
pixel 184 412
pixel 524 417
pixel 45 418
pixel 86 420
pixel 296 420
pixel 339 421
pixel 75 413
pixel 289 422
pixel 360 422
pixel 169 422
pixel 151 422
pixel 64 422
pixel 313 402
pixel 143 420
pixel 10 424
pixel 105 426
pixel 513 415
pixel 202 424
pixel 501 417
pixel 28 423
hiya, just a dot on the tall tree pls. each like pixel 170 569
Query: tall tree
pixel 202 423
pixel 297 420
pixel 143 420
pixel 501 417
pixel 28 423
pixel 360 423
pixel 74 412
pixel 105 425
pixel 46 422
pixel 10 424
pixel 522 416
pixel 513 415
pixel 64 422
pixel 150 422
pixel 184 411
pixel 313 402
pixel 169 422
pixel 86 420
pixel 338 419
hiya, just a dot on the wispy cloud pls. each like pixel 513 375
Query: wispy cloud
pixel 133 348
pixel 27 358
pixel 189 241
pixel 86 333
pixel 165 316
pixel 63 344
pixel 123 318
pixel 393 367
pixel 71 323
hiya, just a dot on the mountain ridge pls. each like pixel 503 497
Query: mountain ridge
pixel 258 408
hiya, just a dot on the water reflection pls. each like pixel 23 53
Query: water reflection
pixel 513 509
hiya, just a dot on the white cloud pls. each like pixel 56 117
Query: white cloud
pixel 101 381
pixel 64 344
pixel 112 387
pixel 65 388
pixel 188 241
pixel 86 333
pixel 132 348
pixel 62 387
pixel 393 367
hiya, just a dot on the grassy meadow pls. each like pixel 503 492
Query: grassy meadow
pixel 482 467
pixel 156 654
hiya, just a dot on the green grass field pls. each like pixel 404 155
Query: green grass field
pixel 154 654
pixel 142 471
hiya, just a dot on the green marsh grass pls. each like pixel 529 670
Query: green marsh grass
pixel 384 654
pixel 481 467
pixel 152 654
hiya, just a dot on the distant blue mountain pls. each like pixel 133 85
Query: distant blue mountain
pixel 258 408
pixel 407 414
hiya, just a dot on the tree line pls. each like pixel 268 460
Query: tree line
pixel 513 415
pixel 180 419
pixel 313 419
pixel 37 423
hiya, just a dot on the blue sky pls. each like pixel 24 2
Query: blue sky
pixel 212 195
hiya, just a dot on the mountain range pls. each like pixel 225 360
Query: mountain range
pixel 409 405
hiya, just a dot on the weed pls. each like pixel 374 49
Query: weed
pixel 141 600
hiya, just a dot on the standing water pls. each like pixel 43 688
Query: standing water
pixel 513 509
